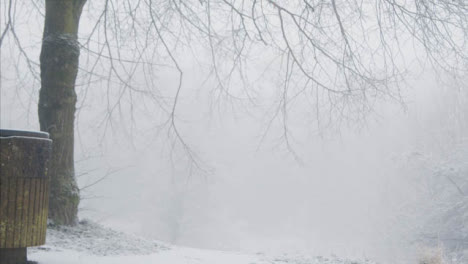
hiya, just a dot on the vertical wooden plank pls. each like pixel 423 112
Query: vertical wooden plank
pixel 40 232
pixel 36 211
pixel 32 194
pixel 19 211
pixel 46 209
pixel 34 215
pixel 10 232
pixel 24 219
pixel 3 209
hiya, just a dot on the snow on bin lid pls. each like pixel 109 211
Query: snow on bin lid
pixel 23 133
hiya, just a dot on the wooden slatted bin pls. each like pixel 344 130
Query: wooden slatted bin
pixel 24 192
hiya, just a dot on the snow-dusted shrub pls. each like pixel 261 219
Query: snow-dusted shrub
pixel 431 256
pixel 438 218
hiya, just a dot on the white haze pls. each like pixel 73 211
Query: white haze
pixel 347 197
pixel 344 199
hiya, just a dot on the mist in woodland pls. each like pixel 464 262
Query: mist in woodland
pixel 318 183
pixel 350 191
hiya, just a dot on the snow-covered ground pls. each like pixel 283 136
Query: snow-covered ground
pixel 90 243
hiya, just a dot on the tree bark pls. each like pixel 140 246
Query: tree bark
pixel 59 67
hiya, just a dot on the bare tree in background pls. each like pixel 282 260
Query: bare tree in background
pixel 344 53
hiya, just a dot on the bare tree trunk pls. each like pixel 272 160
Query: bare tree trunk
pixel 59 67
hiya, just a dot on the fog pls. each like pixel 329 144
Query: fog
pixel 346 195
pixel 348 189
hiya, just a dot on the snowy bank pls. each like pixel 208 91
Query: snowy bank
pixel 90 243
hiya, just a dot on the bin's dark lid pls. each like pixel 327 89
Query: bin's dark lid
pixel 23 133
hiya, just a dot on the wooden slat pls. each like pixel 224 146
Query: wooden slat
pixel 24 220
pixel 32 195
pixel 37 211
pixel 40 214
pixel 46 209
pixel 19 211
pixel 34 205
pixel 3 209
pixel 10 232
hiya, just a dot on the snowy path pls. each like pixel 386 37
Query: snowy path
pixel 89 243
